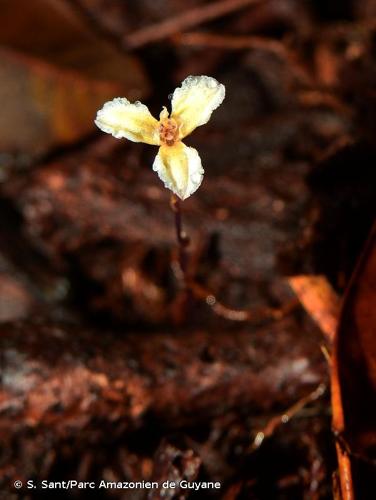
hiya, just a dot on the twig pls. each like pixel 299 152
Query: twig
pixel 315 475
pixel 231 42
pixel 346 449
pixel 236 42
pixel 184 21
pixel 318 98
pixel 286 416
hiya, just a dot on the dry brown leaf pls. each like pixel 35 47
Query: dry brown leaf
pixel 319 300
pixel 354 381
pixel 55 72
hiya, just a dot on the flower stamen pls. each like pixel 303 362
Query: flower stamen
pixel 168 131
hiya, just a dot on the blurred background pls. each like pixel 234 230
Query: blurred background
pixel 110 368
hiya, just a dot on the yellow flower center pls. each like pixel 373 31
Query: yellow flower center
pixel 168 131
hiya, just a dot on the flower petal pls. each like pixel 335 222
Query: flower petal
pixel 179 167
pixel 193 102
pixel 133 121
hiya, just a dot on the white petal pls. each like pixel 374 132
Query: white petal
pixel 179 168
pixel 194 102
pixel 133 121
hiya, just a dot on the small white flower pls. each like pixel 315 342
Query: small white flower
pixel 178 166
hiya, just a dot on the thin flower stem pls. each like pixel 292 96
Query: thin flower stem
pixel 201 293
pixel 181 237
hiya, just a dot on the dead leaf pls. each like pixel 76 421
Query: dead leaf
pixel 55 72
pixel 354 380
pixel 319 300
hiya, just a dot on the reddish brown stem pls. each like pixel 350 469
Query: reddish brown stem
pixel 181 237
pixel 201 293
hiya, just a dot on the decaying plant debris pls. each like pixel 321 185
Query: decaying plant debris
pixel 110 368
